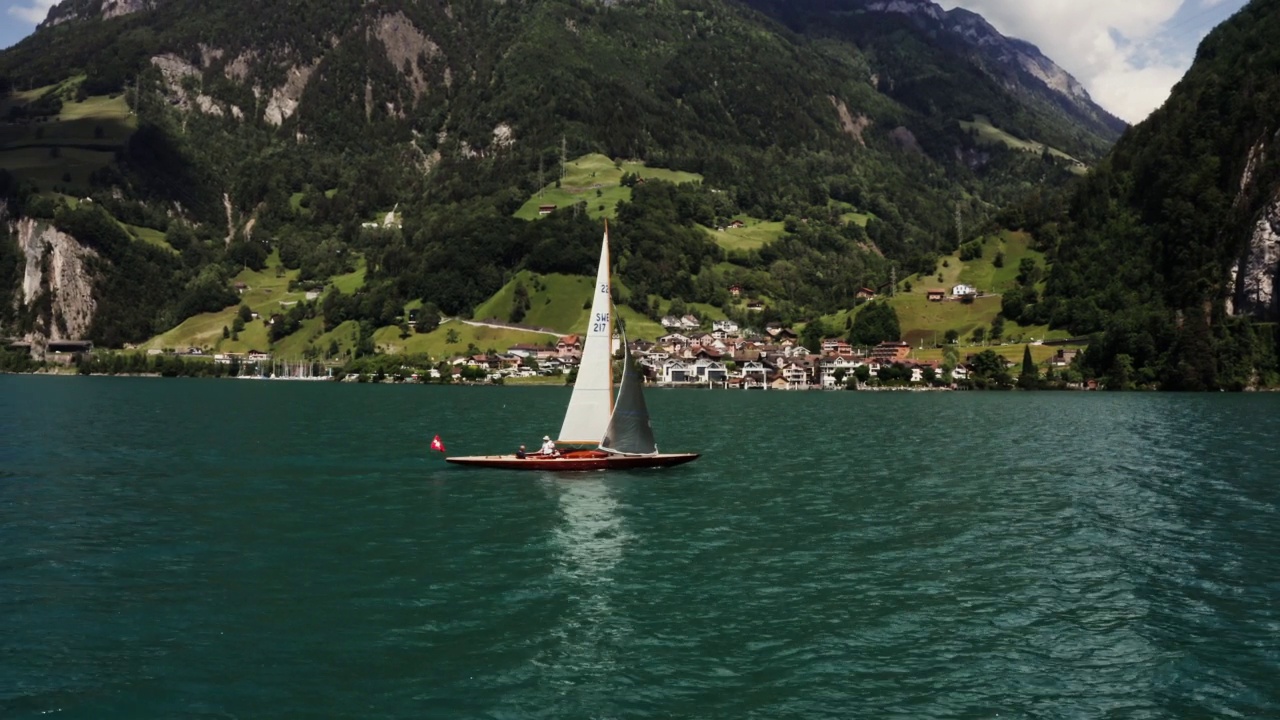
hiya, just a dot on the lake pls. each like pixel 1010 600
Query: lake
pixel 256 549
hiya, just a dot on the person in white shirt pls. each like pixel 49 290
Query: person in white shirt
pixel 548 446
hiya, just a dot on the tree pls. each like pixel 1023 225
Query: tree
pixel 951 336
pixel 451 337
pixel 1030 376
pixel 812 335
pixel 979 334
pixel 997 328
pixel 876 322
pixel 988 364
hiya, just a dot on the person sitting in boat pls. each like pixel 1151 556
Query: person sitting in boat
pixel 521 453
pixel 548 446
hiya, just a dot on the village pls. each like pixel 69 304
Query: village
pixel 728 356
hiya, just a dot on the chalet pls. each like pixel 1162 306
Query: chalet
pixel 670 322
pixel 755 306
pixel 674 340
pixel 239 287
pixel 255 355
pixel 795 374
pixel 1063 357
pixel 865 293
pixel 690 322
pixel 890 351
pixel 838 346
pixel 778 332
pixel 546 209
pixel 936 295
pixel 963 290
pixel 726 326
pixel 568 345
pixel 735 224
pixel 735 290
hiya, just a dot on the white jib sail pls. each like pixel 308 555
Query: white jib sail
pixel 591 404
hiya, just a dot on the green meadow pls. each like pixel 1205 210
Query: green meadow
pixel 597 181
pixel 991 135
pixel 66 148
pixel 753 235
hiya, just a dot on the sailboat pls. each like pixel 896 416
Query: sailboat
pixel 616 431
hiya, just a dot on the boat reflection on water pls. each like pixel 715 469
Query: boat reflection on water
pixel 589 544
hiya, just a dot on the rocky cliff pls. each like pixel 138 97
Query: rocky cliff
pixel 57 282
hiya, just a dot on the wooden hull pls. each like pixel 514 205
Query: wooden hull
pixel 575 461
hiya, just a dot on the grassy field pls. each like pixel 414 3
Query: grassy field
pixel 266 290
pixel 596 180
pixel 754 235
pixel 71 168
pixel 352 281
pixel 436 343
pixel 557 305
pixel 992 135
pixel 65 149
pixel 925 322
pixel 1040 354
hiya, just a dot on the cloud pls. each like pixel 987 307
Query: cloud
pixel 1114 47
pixel 33 13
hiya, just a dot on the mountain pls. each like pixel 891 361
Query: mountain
pixel 209 145
pixel 912 43
pixel 1171 247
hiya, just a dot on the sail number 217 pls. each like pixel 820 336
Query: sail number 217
pixel 601 323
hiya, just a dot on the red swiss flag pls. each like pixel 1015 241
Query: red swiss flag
pixel 436 444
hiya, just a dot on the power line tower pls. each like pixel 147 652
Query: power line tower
pixel 959 226
pixel 564 156
pixel 893 279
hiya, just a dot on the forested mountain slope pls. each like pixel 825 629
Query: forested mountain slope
pixel 289 133
pixel 1173 244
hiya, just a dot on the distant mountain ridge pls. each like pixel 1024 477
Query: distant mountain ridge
pixel 1017 64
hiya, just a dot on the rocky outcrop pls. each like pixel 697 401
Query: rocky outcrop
pixel 406 46
pixel 116 8
pixel 1254 276
pixel 852 126
pixel 284 99
pixel 176 73
pixel 56 266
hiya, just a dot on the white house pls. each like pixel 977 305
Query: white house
pixel 963 289
pixel 728 327
pixel 754 374
pixel 831 365
pixel 710 370
pixel 676 371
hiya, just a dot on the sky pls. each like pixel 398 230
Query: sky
pixel 1128 53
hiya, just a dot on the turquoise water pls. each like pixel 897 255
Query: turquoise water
pixel 217 548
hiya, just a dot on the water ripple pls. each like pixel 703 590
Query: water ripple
pixel 289 551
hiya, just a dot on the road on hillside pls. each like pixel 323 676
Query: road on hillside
pixel 505 326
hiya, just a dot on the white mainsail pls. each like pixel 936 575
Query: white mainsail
pixel 591 404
